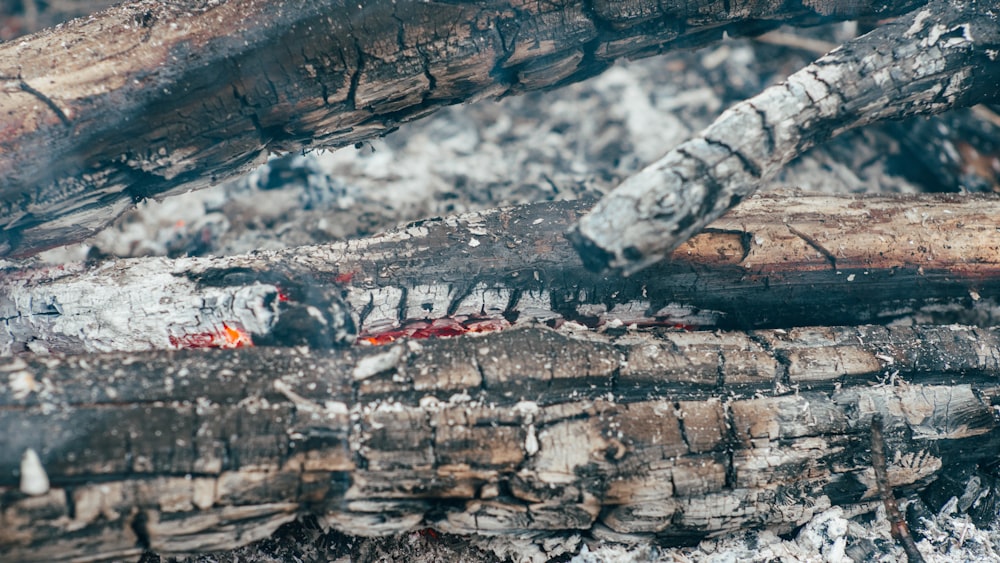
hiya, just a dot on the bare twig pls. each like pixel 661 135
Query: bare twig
pixel 897 524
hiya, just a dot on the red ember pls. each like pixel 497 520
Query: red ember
pixel 226 337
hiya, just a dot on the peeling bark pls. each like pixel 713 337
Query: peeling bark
pixel 777 260
pixel 937 58
pixel 150 98
pixel 673 437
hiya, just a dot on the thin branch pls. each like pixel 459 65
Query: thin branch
pixel 897 524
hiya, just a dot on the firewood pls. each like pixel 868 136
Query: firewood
pixel 937 58
pixel 777 260
pixel 675 436
pixel 149 99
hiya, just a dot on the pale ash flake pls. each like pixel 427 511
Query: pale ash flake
pixel 34 479
pixel 378 363
pixel 22 383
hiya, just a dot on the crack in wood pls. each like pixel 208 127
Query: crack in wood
pixel 815 244
pixel 25 87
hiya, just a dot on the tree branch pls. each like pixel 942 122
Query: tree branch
pixel 940 57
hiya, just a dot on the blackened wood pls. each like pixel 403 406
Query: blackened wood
pixel 153 98
pixel 939 57
pixel 779 260
pixel 526 430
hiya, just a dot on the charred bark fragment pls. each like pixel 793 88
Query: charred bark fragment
pixel 148 99
pixel 777 260
pixel 675 436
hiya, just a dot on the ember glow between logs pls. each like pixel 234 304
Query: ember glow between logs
pixel 438 328
pixel 226 337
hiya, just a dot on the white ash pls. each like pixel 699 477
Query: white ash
pixel 830 537
pixel 34 479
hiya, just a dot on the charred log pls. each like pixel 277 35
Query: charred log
pixel 939 57
pixel 148 98
pixel 674 437
pixel 777 260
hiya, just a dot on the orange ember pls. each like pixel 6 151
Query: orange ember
pixel 344 278
pixel 227 337
pixel 439 328
pixel 235 337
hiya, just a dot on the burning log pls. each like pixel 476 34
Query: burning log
pixel 777 260
pixel 149 99
pixel 675 436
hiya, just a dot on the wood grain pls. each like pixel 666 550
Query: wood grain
pixel 780 260
pixel 675 436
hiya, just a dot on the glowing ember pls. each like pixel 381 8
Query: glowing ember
pixel 428 533
pixel 438 328
pixel 235 337
pixel 226 337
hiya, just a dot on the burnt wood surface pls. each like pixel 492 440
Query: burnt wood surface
pixel 673 436
pixel 150 98
pixel 611 436
pixel 778 260
pixel 937 58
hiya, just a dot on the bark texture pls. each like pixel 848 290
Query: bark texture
pixel 675 437
pixel 152 98
pixel 777 260
pixel 937 58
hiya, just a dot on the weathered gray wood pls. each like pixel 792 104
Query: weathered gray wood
pixel 152 98
pixel 675 436
pixel 777 260
pixel 937 58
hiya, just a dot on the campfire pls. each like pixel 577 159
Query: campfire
pixel 397 350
